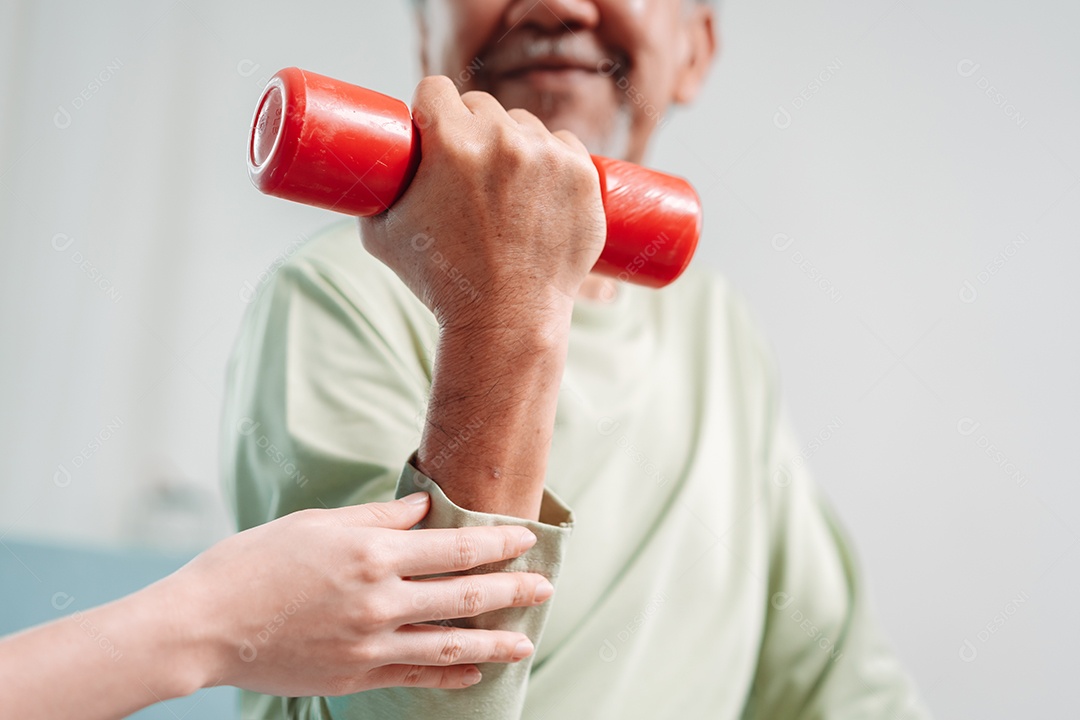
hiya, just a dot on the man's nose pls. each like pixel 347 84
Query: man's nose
pixel 554 15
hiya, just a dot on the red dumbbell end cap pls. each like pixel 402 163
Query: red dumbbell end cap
pixel 327 143
pixel 657 219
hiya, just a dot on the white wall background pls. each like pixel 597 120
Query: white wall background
pixel 895 184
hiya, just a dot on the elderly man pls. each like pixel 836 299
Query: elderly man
pixel 638 433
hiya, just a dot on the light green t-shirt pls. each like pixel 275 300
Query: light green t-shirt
pixel 699 572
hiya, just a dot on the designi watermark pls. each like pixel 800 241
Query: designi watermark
pixel 62 242
pixel 63 117
pixel 968 650
pixel 967 68
pixel 62 476
pixel 969 292
pixel 610 650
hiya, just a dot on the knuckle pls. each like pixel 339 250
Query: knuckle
pixel 368 572
pixel 460 149
pixel 413 676
pixel 465 552
pixel 365 654
pixel 555 152
pixel 472 599
pixel 522 115
pixel 339 685
pixel 507 143
pixel 379 513
pixel 372 562
pixel 452 648
pixel 476 96
pixel 582 173
pixel 372 613
pixel 523 591
pixel 582 164
pixel 569 138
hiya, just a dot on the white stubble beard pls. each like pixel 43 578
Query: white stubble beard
pixel 613 142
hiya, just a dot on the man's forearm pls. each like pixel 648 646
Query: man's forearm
pixel 491 413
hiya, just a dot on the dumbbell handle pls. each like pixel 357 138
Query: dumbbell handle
pixel 327 143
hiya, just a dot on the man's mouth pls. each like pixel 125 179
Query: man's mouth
pixel 559 55
pixel 545 67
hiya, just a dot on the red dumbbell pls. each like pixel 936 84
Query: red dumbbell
pixel 338 146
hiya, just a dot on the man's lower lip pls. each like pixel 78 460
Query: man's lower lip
pixel 567 73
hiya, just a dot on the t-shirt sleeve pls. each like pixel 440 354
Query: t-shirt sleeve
pixel 326 390
pixel 823 654
pixel 501 693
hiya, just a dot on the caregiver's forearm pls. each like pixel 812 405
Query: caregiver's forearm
pixel 107 662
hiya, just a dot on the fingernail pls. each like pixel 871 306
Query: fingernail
pixel 472 676
pixel 543 591
pixel 522 650
pixel 527 541
pixel 417 498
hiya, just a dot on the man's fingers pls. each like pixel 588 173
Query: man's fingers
pixel 485 105
pixel 454 677
pixel 430 552
pixel 571 140
pixel 442 645
pixel 436 100
pixel 526 119
pixel 470 595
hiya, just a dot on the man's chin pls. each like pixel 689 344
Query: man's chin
pixel 609 136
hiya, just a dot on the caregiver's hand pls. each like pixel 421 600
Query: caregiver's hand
pixel 319 602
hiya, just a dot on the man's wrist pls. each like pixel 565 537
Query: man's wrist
pixel 515 322
pixel 492 409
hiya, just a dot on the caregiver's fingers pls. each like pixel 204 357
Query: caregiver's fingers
pixel 399 514
pixel 447 645
pixel 429 552
pixel 454 677
pixel 470 595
